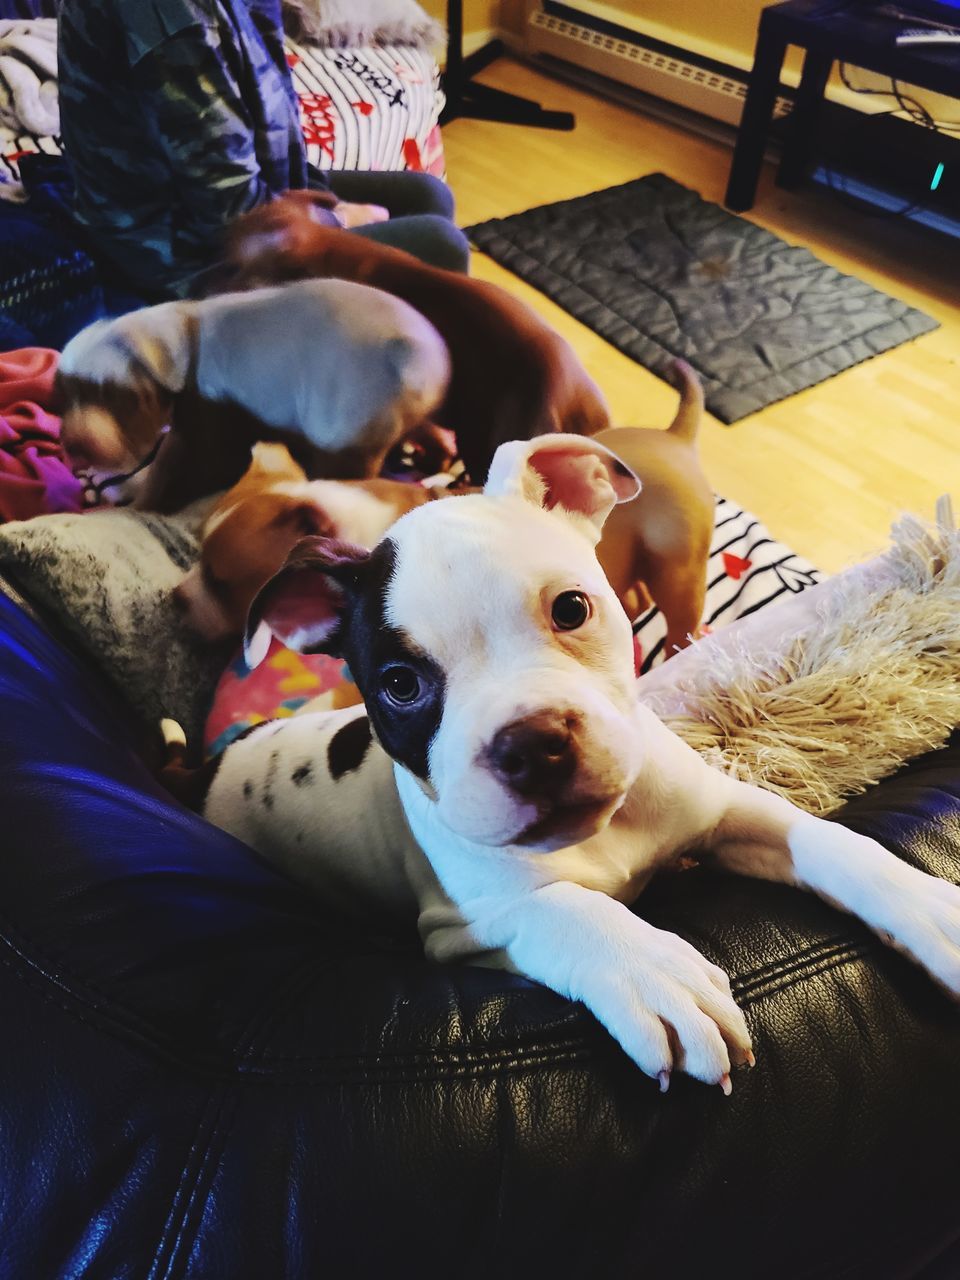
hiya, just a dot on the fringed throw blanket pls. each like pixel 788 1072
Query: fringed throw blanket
pixel 822 696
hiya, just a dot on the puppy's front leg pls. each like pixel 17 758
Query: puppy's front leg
pixel 664 1002
pixel 764 835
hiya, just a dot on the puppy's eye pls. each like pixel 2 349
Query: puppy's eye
pixel 570 610
pixel 401 685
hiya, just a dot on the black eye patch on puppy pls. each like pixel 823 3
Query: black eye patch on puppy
pixel 402 686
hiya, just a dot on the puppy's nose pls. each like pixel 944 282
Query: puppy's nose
pixel 535 756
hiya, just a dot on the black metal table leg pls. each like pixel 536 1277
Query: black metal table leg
pixel 802 125
pixel 478 101
pixel 757 114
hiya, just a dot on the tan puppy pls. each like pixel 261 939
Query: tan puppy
pixel 249 531
pixel 655 548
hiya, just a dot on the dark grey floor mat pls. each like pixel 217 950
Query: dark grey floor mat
pixel 660 273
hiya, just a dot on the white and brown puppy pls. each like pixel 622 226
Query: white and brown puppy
pixel 504 780
pixel 250 531
pixel 338 370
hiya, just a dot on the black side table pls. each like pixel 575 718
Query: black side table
pixel 479 101
pixel 829 30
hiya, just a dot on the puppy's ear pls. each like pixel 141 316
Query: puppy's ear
pixel 302 605
pixel 306 519
pixel 573 473
pixel 160 338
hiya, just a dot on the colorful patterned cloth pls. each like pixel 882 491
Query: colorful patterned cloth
pixel 283 682
pixel 375 107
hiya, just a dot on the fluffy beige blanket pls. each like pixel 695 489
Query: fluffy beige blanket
pixel 822 697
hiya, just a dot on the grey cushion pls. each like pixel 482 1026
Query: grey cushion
pixel 105 578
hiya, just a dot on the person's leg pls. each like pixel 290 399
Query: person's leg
pixel 428 236
pixel 421 214
pixel 402 193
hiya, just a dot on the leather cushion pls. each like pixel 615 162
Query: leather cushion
pixel 207 1073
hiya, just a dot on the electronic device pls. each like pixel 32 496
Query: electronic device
pixel 928 36
pixel 942 12
pixel 893 165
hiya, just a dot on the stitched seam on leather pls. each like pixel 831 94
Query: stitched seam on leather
pixel 182 1235
pixel 794 964
pixel 221 1072
pixel 33 976
pixel 773 966
pixel 106 1013
pixel 102 1020
pixel 370 1075
pixel 44 966
pixel 117 1019
pixel 113 1015
pixel 363 1073
pixel 810 971
pixel 165 1253
pixel 415 1056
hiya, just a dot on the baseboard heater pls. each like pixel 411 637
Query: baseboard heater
pixel 892 166
pixel 562 32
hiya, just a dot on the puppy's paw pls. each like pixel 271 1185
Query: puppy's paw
pixel 671 1009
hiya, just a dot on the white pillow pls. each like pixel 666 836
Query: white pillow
pixel 361 22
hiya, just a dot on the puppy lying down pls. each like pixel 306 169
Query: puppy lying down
pixel 505 782
pixel 338 370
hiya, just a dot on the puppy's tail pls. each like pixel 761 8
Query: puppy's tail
pixel 189 786
pixel 687 422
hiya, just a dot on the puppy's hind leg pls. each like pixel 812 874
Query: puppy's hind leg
pixel 679 592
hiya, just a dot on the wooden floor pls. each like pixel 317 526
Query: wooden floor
pixel 828 469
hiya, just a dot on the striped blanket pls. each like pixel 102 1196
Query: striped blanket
pixel 747 570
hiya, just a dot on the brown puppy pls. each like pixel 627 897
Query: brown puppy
pixel 653 547
pixel 249 531
pixel 656 547
pixel 512 377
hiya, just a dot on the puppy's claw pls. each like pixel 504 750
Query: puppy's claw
pixel 750 1060
pixel 726 1084
pixel 664 1078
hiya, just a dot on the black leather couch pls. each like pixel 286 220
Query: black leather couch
pixel 206 1074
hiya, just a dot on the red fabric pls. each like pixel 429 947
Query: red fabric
pixel 34 479
pixel 735 565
